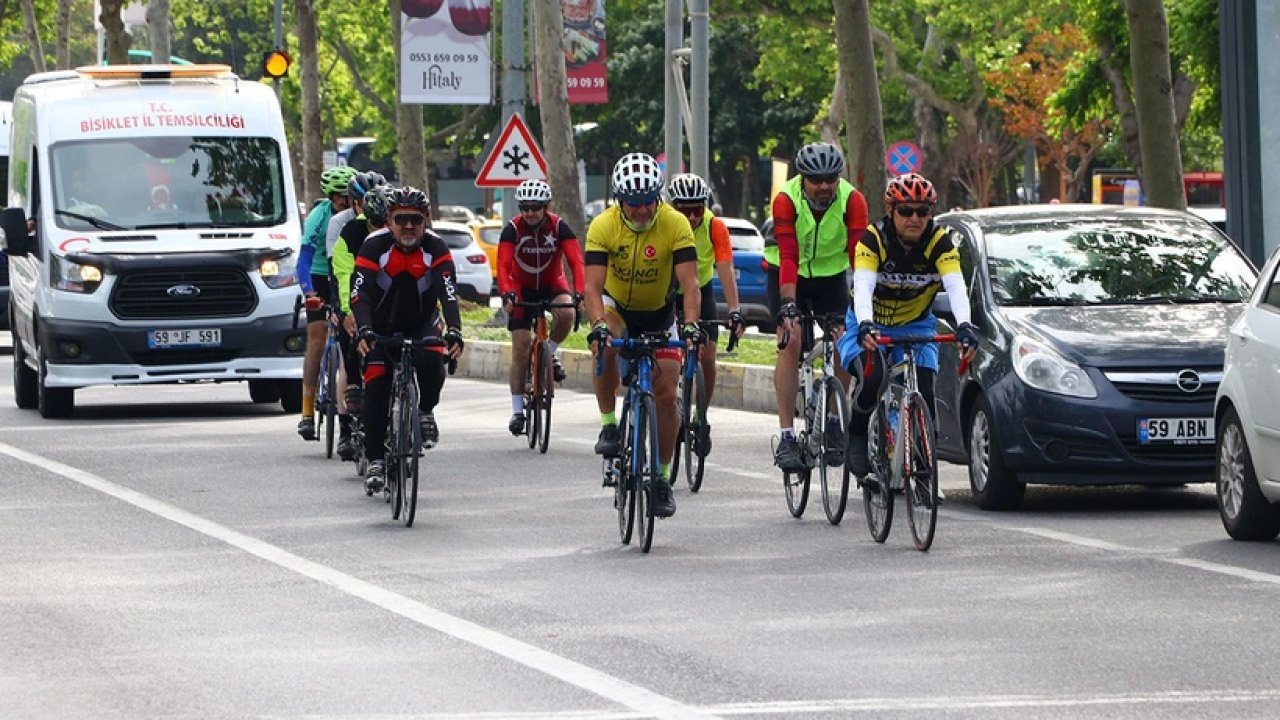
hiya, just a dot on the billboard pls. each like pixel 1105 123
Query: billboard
pixel 444 52
pixel 585 51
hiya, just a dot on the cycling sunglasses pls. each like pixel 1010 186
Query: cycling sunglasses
pixel 408 219
pixel 532 207
pixel 908 211
pixel 691 209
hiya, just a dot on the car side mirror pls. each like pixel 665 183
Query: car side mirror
pixel 16 241
pixel 942 307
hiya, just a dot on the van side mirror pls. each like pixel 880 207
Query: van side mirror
pixel 942 307
pixel 17 242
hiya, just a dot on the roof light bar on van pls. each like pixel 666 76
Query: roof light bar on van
pixel 153 72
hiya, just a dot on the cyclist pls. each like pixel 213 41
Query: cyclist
pixel 689 194
pixel 634 250
pixel 818 219
pixel 897 303
pixel 531 255
pixel 404 282
pixel 313 277
pixel 367 216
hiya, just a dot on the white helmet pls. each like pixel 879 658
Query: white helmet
pixel 533 190
pixel 689 188
pixel 637 178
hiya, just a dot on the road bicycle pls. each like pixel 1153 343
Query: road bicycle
pixel 636 468
pixel 901 448
pixel 820 402
pixel 539 387
pixel 404 426
pixel 689 454
pixel 327 391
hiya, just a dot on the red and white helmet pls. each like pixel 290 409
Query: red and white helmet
pixel 910 188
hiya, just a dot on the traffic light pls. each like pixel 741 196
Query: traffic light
pixel 276 64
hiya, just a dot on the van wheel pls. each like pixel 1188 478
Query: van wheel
pixel 264 391
pixel 25 380
pixel 290 395
pixel 995 486
pixel 53 402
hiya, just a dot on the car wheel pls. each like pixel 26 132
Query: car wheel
pixel 52 402
pixel 25 380
pixel 995 486
pixel 1246 513
pixel 291 396
pixel 264 391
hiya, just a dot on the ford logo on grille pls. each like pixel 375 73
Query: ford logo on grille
pixel 183 291
pixel 1189 381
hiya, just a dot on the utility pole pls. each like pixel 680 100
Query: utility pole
pixel 673 136
pixel 513 80
pixel 699 86
pixel 279 39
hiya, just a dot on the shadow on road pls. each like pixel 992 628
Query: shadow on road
pixel 151 412
pixel 1051 500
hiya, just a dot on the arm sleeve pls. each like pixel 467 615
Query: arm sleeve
pixel 445 272
pixel 312 231
pixel 573 255
pixel 855 219
pixel 304 267
pixel 866 272
pixel 784 231
pixel 953 283
pixel 364 293
pixel 506 253
pixel 720 241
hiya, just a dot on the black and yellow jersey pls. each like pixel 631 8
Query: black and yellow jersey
pixel 906 281
pixel 640 266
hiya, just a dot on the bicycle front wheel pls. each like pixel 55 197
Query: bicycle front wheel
pixel 877 496
pixel 920 471
pixel 698 458
pixel 411 434
pixel 624 496
pixel 835 484
pixel 542 398
pixel 531 415
pixel 329 395
pixel 644 459
pixel 796 484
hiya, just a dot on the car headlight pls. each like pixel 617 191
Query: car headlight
pixel 71 276
pixel 1044 368
pixel 279 272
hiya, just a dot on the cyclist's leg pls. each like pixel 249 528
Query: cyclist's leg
pixel 788 361
pixel 831 297
pixel 429 369
pixel 350 379
pixel 519 322
pixel 606 384
pixel 562 318
pixel 317 331
pixel 373 414
pixel 707 357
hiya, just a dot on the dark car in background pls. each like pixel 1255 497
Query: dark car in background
pixel 1103 332
pixel 748 273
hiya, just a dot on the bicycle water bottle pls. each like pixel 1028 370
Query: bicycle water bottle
pixel 893 424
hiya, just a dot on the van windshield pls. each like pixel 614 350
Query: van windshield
pixel 168 182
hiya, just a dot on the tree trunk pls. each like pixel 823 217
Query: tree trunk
pixel 864 123
pixel 312 146
pixel 553 109
pixel 1153 104
pixel 158 30
pixel 117 40
pixel 62 51
pixel 410 134
pixel 32 30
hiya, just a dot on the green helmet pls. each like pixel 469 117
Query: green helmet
pixel 334 180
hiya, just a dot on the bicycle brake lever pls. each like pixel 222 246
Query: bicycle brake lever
pixel 453 366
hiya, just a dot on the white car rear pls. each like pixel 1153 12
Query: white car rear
pixel 1247 412
pixel 475 280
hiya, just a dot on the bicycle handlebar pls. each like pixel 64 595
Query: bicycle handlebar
pixel 827 321
pixel 908 340
pixel 645 342
pixel 399 340
pixel 733 339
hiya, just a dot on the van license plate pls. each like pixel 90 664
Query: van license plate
pixel 1178 431
pixel 185 338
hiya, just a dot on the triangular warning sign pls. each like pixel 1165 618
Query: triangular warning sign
pixel 515 158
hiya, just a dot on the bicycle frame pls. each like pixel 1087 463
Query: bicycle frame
pixel 903 384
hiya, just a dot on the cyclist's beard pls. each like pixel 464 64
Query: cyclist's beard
pixel 817 206
pixel 638 228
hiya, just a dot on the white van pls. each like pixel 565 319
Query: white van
pixel 165 234
pixel 6 121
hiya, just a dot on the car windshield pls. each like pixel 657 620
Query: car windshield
pixel 168 182
pixel 745 239
pixel 1087 261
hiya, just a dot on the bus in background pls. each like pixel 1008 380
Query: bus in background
pixel 1203 189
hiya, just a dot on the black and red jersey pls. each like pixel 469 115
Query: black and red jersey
pixel 534 257
pixel 398 290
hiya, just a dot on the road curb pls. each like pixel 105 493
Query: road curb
pixel 738 386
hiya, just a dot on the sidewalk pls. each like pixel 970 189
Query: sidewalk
pixel 740 387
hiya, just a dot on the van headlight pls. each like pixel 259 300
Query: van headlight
pixel 279 272
pixel 1044 368
pixel 71 276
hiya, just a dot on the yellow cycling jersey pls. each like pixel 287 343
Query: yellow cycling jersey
pixel 639 266
pixel 906 281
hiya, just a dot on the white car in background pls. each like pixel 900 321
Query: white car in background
pixel 475 279
pixel 1247 415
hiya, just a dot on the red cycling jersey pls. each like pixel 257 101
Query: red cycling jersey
pixel 533 257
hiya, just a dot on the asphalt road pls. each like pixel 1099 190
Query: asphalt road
pixel 178 552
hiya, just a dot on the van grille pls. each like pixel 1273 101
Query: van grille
pixel 189 356
pixel 146 294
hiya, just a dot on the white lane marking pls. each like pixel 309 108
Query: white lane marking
pixel 1158 555
pixel 644 701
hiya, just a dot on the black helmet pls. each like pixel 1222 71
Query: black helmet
pixel 408 197
pixel 363 183
pixel 820 158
